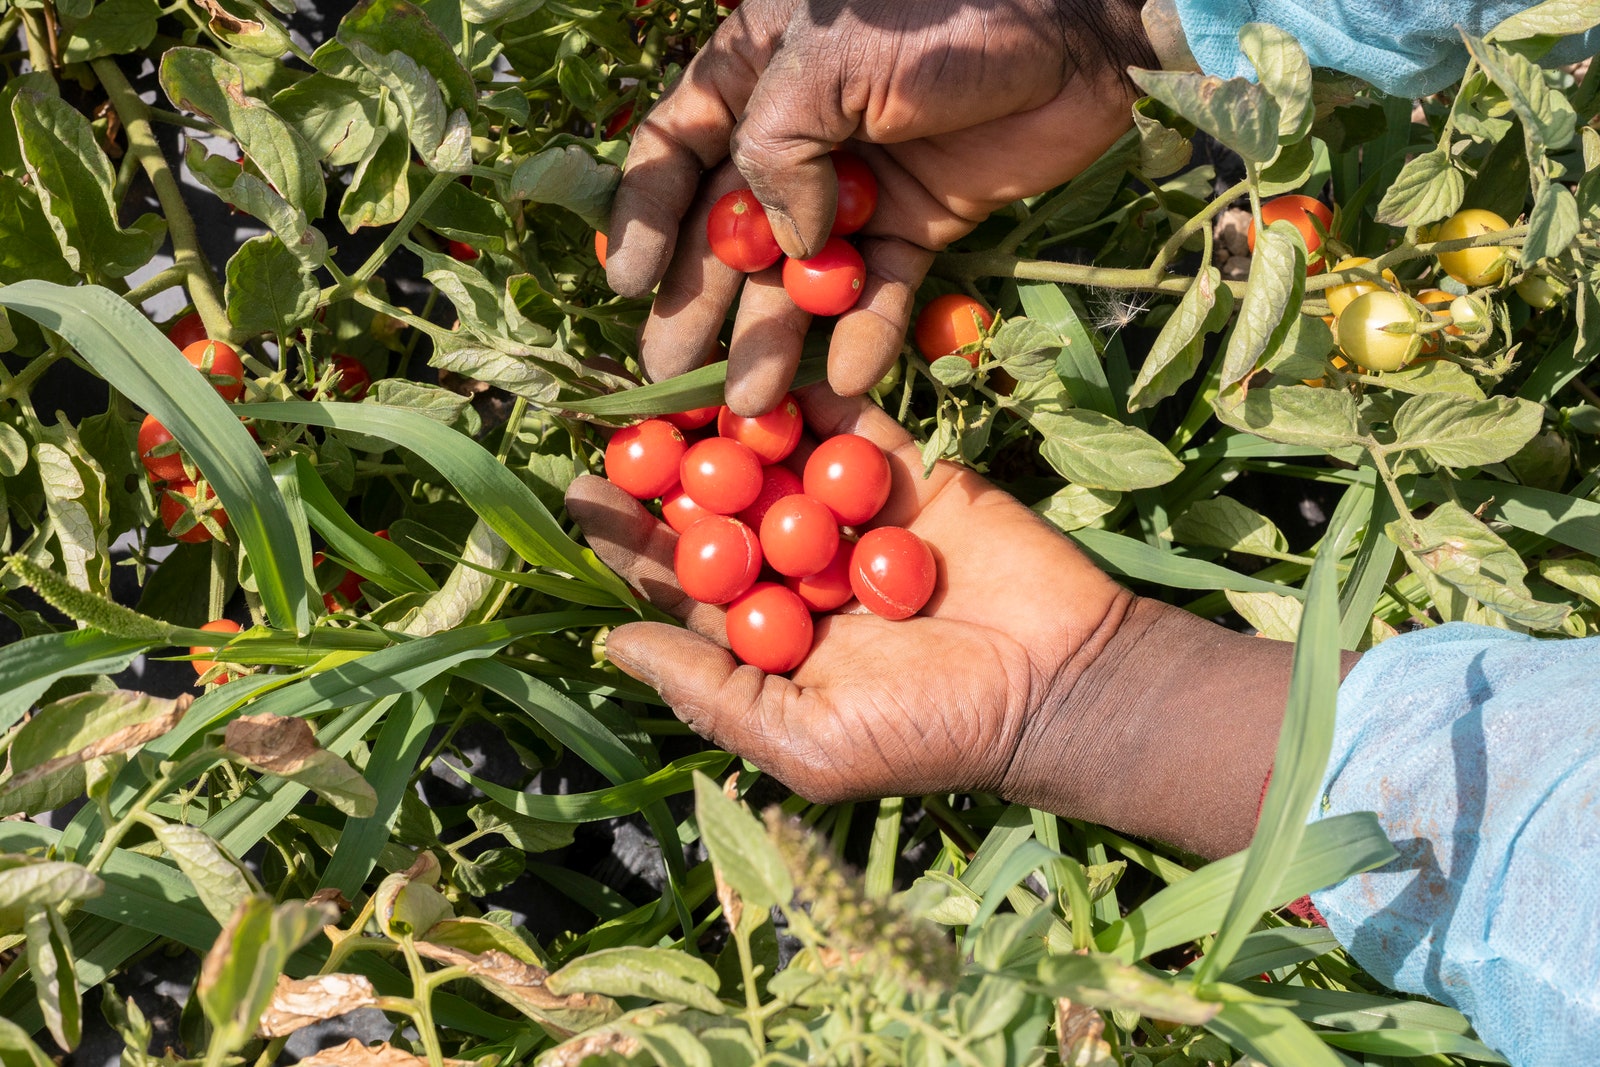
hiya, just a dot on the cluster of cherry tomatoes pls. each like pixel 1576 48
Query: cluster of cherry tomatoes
pixel 1379 326
pixel 830 282
pixel 739 510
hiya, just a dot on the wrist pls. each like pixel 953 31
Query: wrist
pixel 1162 725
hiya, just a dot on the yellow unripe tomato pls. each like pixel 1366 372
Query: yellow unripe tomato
pixel 1468 315
pixel 1339 296
pixel 1473 266
pixel 1363 337
pixel 1542 291
pixel 1436 302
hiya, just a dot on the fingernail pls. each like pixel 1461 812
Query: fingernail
pixel 788 234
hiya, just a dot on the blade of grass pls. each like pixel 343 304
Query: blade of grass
pixel 1273 1036
pixel 31 666
pixel 128 351
pixel 1137 560
pixel 624 799
pixel 697 389
pixel 885 847
pixel 372 557
pixel 1364 584
pixel 1304 743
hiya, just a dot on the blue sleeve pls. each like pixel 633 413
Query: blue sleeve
pixel 1409 48
pixel 1480 752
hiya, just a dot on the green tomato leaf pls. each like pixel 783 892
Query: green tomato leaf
pixel 1097 451
pixel 1428 188
pixel 1285 72
pixel 112 28
pixel 741 853
pixel 1575 575
pixel 490 871
pixel 1224 523
pixel 1548 121
pixel 1077 506
pixel 1273 615
pixel 1026 348
pixel 1552 225
pixel 1457 431
pixel 27 883
pixel 1205 308
pixel 269 290
pixel 1290 168
pixel 379 193
pixel 1237 112
pixel 567 177
pixel 633 971
pixel 952 370
pixel 73 180
pixel 55 977
pixel 1294 415
pixel 250 194
pixel 390 27
pixel 1553 18
pixel 440 136
pixel 1458 549
pixel 219 880
pixel 332 115
pixel 1162 149
pixel 17 1048
pixel 28 245
pixel 1272 301
pixel 201 81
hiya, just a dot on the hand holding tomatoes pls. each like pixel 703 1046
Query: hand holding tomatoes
pixel 782 83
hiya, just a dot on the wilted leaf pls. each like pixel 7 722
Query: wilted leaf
pixel 219 880
pixel 1428 188
pixel 355 1053
pixel 1097 451
pixel 300 1002
pixel 332 115
pixel 477 936
pixel 1457 431
pixel 1465 554
pixel 285 746
pixel 240 971
pixel 633 971
pixel 406 904
pixel 87 726
pixel 252 195
pixel 55 977
pixel 522 985
pixel 1237 112
pixel 1162 149
pixel 27 883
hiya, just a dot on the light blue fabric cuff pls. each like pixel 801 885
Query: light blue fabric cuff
pixel 1480 752
pixel 1406 49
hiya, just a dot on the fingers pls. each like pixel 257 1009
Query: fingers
pixel 695 294
pixel 768 337
pixel 795 115
pixel 686 132
pixel 867 338
pixel 638 547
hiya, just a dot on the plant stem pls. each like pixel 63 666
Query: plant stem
pixel 29 374
pixel 186 253
pixel 965 266
pixel 424 991
pixel 1170 248
pixel 159 284
pixel 395 236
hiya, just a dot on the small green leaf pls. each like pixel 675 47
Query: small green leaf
pixel 1457 548
pixel 1026 348
pixel 1274 616
pixel 567 177
pixel 1162 149
pixel 739 848
pixel 1097 451
pixel 1552 225
pixel 1077 506
pixel 269 289
pixel 27 883
pixel 378 194
pixel 1224 523
pixel 112 28
pixel 952 371
pixel 55 977
pixel 1294 415
pixel 332 115
pixel 528 834
pixel 1290 168
pixel 1205 308
pixel 1456 431
pixel 17 1048
pixel 656 973
pixel 1553 18
pixel 1237 112
pixel 1277 283
pixel 219 880
pixel 1284 71
pixel 1576 575
pixel 1548 121
pixel 490 871
pixel 1428 188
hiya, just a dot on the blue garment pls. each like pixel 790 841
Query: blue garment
pixel 1404 47
pixel 1479 750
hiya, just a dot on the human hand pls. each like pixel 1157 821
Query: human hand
pixel 1029 674
pixel 959 108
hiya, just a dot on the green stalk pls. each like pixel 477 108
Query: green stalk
pixel 186 254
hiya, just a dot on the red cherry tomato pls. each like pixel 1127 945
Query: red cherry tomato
pixel 187 330
pixel 858 194
pixel 461 252
pixel 619 121
pixel 829 588
pixel 770 628
pixel 828 283
pixel 776 483
pixel 694 418
pixel 892 572
pixel 771 436
pixel 849 474
pixel 174 507
pixel 740 234
pixel 680 511
pixel 221 366
pixel 799 536
pixel 717 559
pixel 384 534
pixel 354 378
pixel 643 459
pixel 951 322
pixel 600 246
pixel 1299 211
pixel 721 474
pixel 215 626
pixel 160 468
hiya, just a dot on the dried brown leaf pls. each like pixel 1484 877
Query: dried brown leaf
pixel 522 985
pixel 129 737
pixel 301 1002
pixel 355 1054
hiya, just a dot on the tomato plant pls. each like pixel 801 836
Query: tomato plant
pixel 950 323
pixel 221 366
pixel 1473 266
pixel 1365 335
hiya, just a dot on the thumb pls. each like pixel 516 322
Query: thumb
pixel 793 119
pixel 736 707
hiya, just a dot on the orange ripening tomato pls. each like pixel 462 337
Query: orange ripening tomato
pixel 174 507
pixel 600 244
pixel 951 322
pixel 221 366
pixel 215 626
pixel 1298 210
